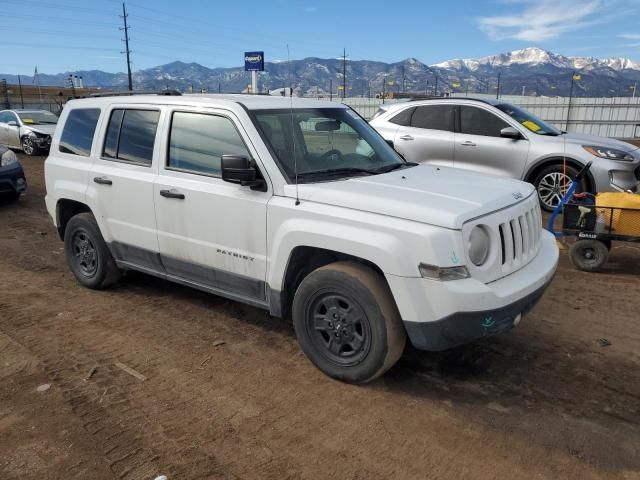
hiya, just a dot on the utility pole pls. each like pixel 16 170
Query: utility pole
pixel 498 88
pixel 435 90
pixel 384 80
pixel 331 89
pixel 218 87
pixel 126 45
pixel 403 80
pixel 344 72
pixel 20 87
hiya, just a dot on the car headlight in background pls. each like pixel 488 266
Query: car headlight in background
pixel 609 153
pixel 479 245
pixel 8 158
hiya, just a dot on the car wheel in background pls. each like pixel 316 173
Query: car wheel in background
pixel 347 322
pixel 87 253
pixel 29 147
pixel 551 183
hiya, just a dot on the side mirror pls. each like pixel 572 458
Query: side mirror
pixel 239 169
pixel 12 123
pixel 390 142
pixel 510 132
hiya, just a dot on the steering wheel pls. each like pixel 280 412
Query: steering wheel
pixel 337 154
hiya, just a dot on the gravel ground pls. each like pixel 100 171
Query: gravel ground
pixel 228 394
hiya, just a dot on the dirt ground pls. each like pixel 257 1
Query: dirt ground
pixel 559 397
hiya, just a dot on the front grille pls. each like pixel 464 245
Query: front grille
pixel 515 238
pixel 519 238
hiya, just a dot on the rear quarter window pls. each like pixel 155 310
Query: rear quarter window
pixel 78 131
pixel 404 117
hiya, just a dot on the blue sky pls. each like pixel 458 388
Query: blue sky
pixel 70 35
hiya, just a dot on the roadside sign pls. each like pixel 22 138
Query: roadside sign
pixel 253 61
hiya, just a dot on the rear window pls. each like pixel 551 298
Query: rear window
pixel 131 135
pixel 77 134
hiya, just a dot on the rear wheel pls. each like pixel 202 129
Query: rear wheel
pixel 589 255
pixel 347 322
pixel 29 146
pixel 87 253
pixel 552 183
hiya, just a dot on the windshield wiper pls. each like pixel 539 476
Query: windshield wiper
pixel 395 166
pixel 337 171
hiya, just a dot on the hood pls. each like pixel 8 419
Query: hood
pixel 582 139
pixel 44 129
pixel 427 194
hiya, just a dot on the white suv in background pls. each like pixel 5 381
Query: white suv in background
pixel 498 138
pixel 298 207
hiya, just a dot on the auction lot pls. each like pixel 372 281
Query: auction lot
pixel 229 395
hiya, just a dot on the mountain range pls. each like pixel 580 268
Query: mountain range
pixel 534 71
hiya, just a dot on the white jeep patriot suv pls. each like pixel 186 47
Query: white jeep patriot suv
pixel 298 207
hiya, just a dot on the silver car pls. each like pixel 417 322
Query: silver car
pixel 501 139
pixel 28 130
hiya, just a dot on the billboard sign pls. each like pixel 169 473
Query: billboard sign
pixel 253 61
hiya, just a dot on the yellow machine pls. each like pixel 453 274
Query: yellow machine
pixel 620 212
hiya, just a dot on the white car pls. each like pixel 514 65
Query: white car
pixel 298 207
pixel 28 130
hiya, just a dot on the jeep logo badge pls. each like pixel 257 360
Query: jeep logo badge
pixel 517 195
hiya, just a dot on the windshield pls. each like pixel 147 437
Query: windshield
pixel 38 118
pixel 526 119
pixel 325 144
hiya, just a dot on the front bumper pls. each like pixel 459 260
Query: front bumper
pixel 12 179
pixel 441 315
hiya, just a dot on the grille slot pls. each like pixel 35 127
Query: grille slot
pixel 519 238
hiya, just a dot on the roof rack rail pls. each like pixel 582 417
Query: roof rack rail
pixel 168 92
pixel 431 97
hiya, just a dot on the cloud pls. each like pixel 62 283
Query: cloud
pixel 310 9
pixel 630 36
pixel 545 20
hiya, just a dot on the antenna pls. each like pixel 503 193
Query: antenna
pixel 293 136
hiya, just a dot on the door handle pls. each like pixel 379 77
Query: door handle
pixel 406 137
pixel 172 194
pixel 103 181
pixel 468 144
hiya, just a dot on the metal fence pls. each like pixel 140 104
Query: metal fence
pixel 617 117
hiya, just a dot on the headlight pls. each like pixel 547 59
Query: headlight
pixel 443 273
pixel 609 153
pixel 8 158
pixel 479 244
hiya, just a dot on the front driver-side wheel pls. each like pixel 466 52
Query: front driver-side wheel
pixel 551 183
pixel 347 322
pixel 29 146
pixel 87 253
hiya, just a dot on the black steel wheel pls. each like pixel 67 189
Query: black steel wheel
pixel 29 146
pixel 347 322
pixel 589 255
pixel 338 327
pixel 87 253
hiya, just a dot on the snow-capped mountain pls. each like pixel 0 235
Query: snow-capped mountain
pixel 534 56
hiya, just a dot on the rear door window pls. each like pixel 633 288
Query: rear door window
pixel 434 117
pixel 478 121
pixel 78 131
pixel 131 136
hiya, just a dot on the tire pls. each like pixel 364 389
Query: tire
pixel 29 147
pixel 549 184
pixel 589 255
pixel 351 302
pixel 87 253
pixel 9 197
